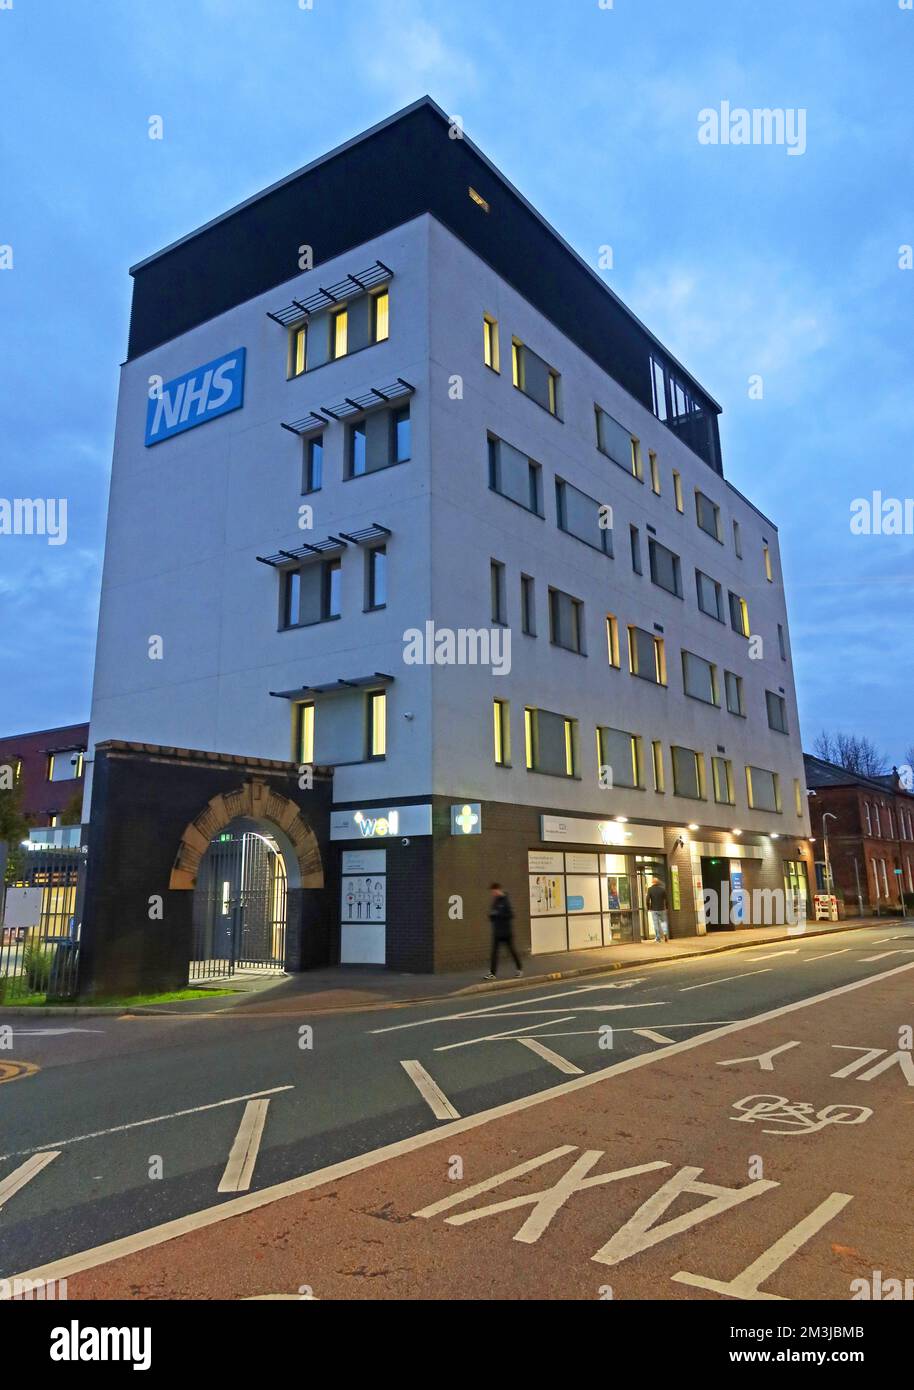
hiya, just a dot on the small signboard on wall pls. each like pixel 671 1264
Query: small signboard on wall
pixel 363 907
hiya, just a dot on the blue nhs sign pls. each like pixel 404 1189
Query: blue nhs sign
pixel 200 395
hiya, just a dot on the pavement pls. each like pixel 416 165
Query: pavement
pixel 115 1129
pixel 768 1158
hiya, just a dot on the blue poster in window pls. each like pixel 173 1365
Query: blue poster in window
pixel 199 395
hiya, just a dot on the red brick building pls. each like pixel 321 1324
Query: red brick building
pixel 49 763
pixel 870 833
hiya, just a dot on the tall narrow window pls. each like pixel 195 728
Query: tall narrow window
pixel 314 463
pixel 612 640
pixel 655 472
pixel 490 343
pixel 497 583
pixel 501 730
pixel 380 315
pixel 299 350
pixel 782 642
pixel 635 540
pixel 657 763
pixel 401 435
pixel 529 742
pixel 377 724
pixel 637 464
pixel 739 615
pixel 291 606
pixel 358 459
pixel 737 541
pixel 569 747
pixel 305 739
pixel 333 575
pixel 722 770
pixel 339 338
pixel 677 491
pixel 766 557
pixel 527 605
pixel 377 577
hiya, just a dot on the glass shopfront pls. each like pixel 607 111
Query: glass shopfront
pixel 583 899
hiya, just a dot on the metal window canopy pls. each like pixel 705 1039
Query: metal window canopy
pixel 350 287
pixel 367 535
pixel 311 550
pixel 332 687
pixel 372 399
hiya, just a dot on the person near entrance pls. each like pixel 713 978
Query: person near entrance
pixel 501 917
pixel 656 910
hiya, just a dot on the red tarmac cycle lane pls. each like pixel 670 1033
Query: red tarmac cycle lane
pixel 774 1161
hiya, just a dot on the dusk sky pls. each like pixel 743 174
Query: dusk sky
pixel 745 260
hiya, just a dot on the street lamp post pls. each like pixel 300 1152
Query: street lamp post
pixel 828 880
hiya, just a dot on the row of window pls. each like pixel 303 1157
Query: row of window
pixel 872 820
pixel 532 375
pixel 311 592
pixel 520 479
pixel 551 746
pixel 377 441
pixel 339 331
pixel 646 650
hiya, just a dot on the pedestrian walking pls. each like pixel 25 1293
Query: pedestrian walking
pixel 656 910
pixel 501 917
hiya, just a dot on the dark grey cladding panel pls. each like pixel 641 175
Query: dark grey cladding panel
pixel 393 174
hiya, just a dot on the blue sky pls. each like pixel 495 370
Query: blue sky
pixel 744 259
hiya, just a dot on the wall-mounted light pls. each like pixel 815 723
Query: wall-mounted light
pixel 622 820
pixel 736 832
pixel 693 826
pixel 774 835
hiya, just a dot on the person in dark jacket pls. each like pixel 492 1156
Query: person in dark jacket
pixel 501 917
pixel 656 910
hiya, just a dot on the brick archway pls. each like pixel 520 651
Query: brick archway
pixel 254 800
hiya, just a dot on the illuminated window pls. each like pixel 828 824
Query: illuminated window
pixel 569 747
pixel 763 789
pixel 490 343
pixel 739 615
pixel 528 738
pixel 478 199
pixel 501 729
pixel 677 491
pixel 299 349
pixel 534 377
pixel 722 770
pixel 797 796
pixel 646 656
pixel 305 714
pixel 657 763
pixel 380 316
pixel 637 464
pixel 766 553
pixel 655 472
pixel 377 724
pixel 612 640
pixel 688 773
pixel 516 363
pixel 339 338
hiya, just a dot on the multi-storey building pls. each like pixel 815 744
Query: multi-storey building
pixel 402 488
pixel 864 836
pixel 48 764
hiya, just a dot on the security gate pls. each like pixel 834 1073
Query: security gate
pixel 40 924
pixel 239 907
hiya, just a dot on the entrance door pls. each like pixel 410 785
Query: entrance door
pixel 239 906
pixel 646 870
pixel 714 873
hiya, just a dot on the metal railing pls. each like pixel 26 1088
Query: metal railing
pixel 40 925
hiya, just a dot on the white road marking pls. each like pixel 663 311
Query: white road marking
pixel 746 1284
pixel 500 1008
pixel 823 955
pixel 751 960
pixel 243 1155
pixel 508 1033
pixel 652 1035
pixel 901 951
pixel 153 1120
pixel 69 1265
pixel 430 1091
pixel 763 1058
pixel 548 1055
pixel 726 979
pixel 16 1180
pixel 53 1032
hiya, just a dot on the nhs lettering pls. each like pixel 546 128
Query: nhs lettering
pixel 199 395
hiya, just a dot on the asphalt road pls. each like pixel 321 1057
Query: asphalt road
pixel 150 1117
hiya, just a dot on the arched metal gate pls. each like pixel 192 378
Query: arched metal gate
pixel 240 902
